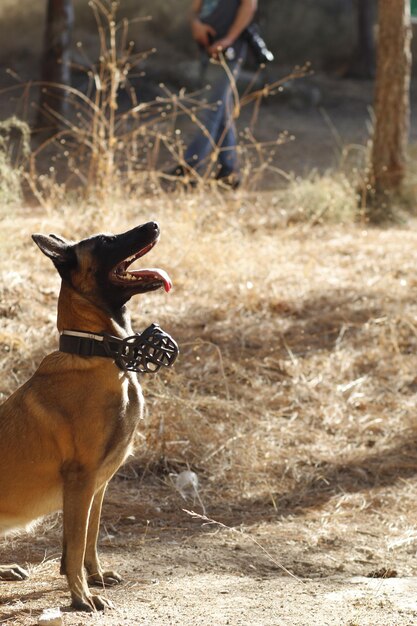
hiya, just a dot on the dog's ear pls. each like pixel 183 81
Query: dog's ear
pixel 60 239
pixel 59 250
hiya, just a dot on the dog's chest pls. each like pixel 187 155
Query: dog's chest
pixel 132 400
pixel 119 443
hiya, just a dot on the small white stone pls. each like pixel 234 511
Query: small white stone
pixel 187 482
pixel 50 617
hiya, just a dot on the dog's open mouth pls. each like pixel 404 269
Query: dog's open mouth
pixel 149 278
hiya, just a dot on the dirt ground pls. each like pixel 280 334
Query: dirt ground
pixel 330 119
pixel 179 571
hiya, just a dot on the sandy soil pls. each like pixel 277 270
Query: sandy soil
pixel 178 571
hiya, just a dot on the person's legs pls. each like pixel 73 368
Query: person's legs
pixel 217 128
pixel 226 141
pixel 211 120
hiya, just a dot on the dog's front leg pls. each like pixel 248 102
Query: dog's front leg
pixel 96 574
pixel 78 498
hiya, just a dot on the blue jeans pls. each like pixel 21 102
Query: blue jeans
pixel 217 119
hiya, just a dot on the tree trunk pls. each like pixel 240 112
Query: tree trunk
pixel 56 63
pixel 391 105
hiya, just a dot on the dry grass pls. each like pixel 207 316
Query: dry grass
pixel 293 398
pixel 296 385
pixel 14 144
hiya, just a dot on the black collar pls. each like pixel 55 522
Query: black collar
pixel 143 353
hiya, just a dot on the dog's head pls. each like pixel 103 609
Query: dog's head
pixel 97 267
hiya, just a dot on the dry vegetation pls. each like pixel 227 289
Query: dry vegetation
pixel 296 386
pixel 293 398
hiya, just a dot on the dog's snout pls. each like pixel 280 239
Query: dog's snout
pixel 151 228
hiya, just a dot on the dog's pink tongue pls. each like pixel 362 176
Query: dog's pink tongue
pixel 158 274
pixel 165 278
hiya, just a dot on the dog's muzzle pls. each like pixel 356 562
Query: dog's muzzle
pixel 144 353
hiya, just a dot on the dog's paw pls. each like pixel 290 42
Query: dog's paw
pixel 105 579
pixel 91 603
pixel 102 603
pixel 13 572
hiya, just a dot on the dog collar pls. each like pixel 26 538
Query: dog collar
pixel 144 353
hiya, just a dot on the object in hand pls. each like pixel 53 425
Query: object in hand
pixel 257 45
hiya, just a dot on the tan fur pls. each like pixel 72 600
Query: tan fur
pixel 63 435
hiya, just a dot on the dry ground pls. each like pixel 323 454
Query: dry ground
pixel 294 402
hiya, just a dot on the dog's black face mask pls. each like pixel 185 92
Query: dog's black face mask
pixel 99 265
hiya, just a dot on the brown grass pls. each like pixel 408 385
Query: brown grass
pixel 295 388
pixel 293 398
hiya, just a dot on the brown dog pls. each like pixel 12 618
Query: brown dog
pixel 67 430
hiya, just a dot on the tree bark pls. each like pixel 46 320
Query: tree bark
pixel 56 63
pixel 391 100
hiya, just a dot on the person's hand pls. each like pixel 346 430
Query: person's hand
pixel 219 46
pixel 202 33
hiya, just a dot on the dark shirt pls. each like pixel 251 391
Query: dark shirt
pixel 222 16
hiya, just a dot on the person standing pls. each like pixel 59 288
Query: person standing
pixel 218 26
